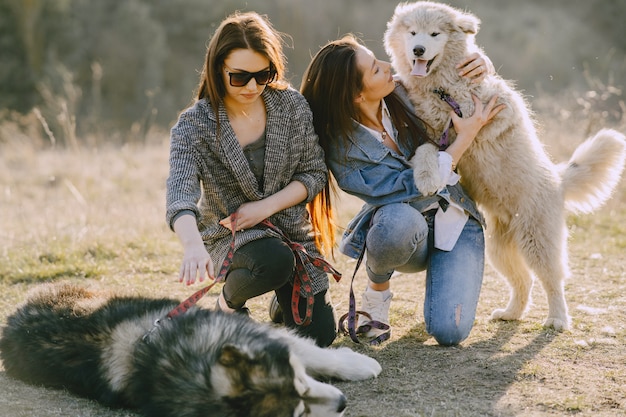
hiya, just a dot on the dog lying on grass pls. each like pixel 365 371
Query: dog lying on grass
pixel 196 364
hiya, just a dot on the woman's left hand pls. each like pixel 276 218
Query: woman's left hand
pixel 254 212
pixel 248 215
pixel 475 67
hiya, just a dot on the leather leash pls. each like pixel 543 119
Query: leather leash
pixel 353 313
pixel 444 140
pixel 302 281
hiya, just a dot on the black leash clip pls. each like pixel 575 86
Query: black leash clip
pixel 448 99
pixel 441 93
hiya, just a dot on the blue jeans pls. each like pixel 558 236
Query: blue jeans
pixel 401 239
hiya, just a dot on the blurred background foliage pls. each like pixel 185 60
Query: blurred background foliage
pixel 118 68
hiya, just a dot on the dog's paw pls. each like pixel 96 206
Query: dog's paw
pixel 503 314
pixel 425 164
pixel 356 366
pixel 425 182
pixel 558 324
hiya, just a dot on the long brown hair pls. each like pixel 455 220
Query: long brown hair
pixel 331 84
pixel 240 31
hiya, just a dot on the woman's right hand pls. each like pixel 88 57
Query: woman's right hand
pixel 196 260
pixel 470 126
pixel 196 263
pixel 467 128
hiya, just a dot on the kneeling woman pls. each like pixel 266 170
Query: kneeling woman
pixel 247 146
pixel 369 132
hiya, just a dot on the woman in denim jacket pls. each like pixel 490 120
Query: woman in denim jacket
pixel 369 132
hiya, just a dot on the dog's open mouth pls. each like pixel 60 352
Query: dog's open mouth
pixel 421 67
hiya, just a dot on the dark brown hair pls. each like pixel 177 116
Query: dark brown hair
pixel 240 31
pixel 331 84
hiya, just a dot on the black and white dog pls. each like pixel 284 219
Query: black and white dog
pixel 201 363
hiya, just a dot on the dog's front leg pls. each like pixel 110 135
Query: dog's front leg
pixel 425 164
pixel 340 363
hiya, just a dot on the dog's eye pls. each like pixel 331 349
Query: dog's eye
pixel 434 34
pixel 412 33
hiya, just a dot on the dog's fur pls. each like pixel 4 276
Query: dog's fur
pixel 522 193
pixel 201 363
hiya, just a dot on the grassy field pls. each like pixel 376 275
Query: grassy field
pixel 97 216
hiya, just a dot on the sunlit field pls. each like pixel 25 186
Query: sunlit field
pixel 95 215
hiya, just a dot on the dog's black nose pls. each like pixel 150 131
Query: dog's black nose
pixel 343 402
pixel 419 50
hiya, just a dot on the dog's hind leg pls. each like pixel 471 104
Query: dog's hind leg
pixel 546 255
pixel 505 257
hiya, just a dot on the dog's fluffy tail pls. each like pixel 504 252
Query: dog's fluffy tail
pixel 593 171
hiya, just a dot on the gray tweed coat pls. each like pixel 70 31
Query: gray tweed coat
pixel 210 175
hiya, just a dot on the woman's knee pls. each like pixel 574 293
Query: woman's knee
pixel 449 336
pixel 395 222
pixel 271 261
pixel 258 267
pixel 449 332
pixel 397 230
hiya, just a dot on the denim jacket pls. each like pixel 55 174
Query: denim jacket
pixel 369 170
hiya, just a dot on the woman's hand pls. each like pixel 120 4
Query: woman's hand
pixel 248 215
pixel 467 128
pixel 196 264
pixel 196 260
pixel 254 212
pixel 475 67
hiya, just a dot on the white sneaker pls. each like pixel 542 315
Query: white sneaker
pixel 376 304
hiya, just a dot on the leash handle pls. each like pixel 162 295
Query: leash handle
pixel 353 313
pixel 302 280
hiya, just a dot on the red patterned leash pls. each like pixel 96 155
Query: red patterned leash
pixel 302 280
pixel 196 296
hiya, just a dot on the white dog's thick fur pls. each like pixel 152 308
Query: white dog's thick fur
pixel 522 193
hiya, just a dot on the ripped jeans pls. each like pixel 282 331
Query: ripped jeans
pixel 401 239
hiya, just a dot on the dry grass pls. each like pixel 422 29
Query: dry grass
pixel 97 216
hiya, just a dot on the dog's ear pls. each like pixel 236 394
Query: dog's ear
pixel 468 23
pixel 400 7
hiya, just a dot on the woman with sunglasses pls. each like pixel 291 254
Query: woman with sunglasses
pixel 246 151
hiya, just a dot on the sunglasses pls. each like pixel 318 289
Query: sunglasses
pixel 242 78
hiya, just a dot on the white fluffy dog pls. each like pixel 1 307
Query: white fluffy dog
pixel 522 193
